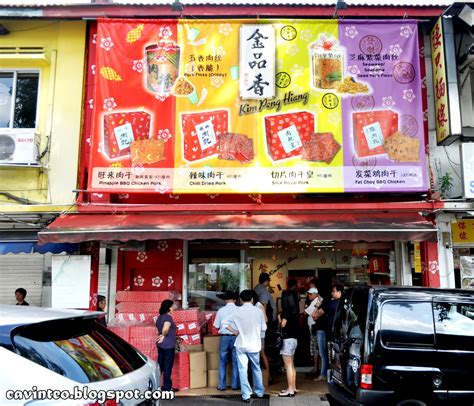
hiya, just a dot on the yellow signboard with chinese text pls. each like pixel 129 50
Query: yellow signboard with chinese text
pixel 463 232
pixel 438 60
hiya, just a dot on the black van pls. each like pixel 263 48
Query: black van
pixel 403 346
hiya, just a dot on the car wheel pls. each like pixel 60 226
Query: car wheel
pixel 411 402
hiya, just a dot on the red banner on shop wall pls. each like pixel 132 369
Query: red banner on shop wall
pixel 137 124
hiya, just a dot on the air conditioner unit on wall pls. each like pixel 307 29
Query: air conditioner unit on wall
pixel 18 148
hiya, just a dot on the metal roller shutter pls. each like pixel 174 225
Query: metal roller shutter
pixel 21 271
pixel 104 271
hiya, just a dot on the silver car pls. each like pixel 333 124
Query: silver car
pixel 65 357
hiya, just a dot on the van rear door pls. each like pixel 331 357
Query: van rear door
pixel 405 354
pixel 454 329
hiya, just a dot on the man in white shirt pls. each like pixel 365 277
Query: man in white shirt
pixel 227 343
pixel 313 296
pixel 248 323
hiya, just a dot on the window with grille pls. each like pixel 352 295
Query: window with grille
pixel 18 98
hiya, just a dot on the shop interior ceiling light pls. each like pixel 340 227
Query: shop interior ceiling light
pixel 467 15
pixel 177 6
pixel 341 5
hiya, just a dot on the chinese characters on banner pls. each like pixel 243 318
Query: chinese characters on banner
pixel 439 77
pixel 257 61
pixel 227 106
pixel 463 232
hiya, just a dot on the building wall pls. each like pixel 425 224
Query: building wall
pixel 58 116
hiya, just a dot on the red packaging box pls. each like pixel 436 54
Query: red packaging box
pixel 185 339
pixel 208 315
pixel 192 328
pixel 141 296
pixel 286 133
pixel 180 328
pixel 180 316
pixel 120 129
pixel 370 129
pixel 123 332
pixel 152 353
pixel 180 375
pixel 143 332
pixel 131 317
pixel 136 307
pixel 143 344
pixel 200 133
pixel 195 339
pixel 181 359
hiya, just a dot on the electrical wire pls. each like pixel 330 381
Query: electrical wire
pixel 35 28
pixel 451 163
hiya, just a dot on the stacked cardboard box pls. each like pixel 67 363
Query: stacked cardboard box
pixel 211 346
pixel 198 369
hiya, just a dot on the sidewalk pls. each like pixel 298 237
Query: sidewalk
pixel 300 400
pixel 309 393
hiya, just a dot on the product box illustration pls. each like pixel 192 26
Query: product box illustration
pixel 201 132
pixel 286 133
pixel 235 147
pixel 121 129
pixel 322 147
pixel 370 129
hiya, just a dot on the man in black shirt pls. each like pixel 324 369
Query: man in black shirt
pixel 20 295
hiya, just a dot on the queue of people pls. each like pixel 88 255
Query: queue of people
pixel 243 328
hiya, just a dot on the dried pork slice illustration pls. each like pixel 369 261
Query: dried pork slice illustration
pixel 402 148
pixel 147 151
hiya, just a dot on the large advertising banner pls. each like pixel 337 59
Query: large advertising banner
pixel 267 106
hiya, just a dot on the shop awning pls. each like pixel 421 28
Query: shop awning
pixel 31 247
pixel 266 227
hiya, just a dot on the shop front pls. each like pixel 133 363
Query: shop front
pixel 301 155
pixel 204 255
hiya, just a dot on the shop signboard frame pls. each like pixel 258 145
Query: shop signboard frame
pixel 462 232
pixel 445 82
pixel 169 117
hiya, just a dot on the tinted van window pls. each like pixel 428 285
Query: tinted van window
pixel 351 313
pixel 454 323
pixel 405 324
pixel 79 349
